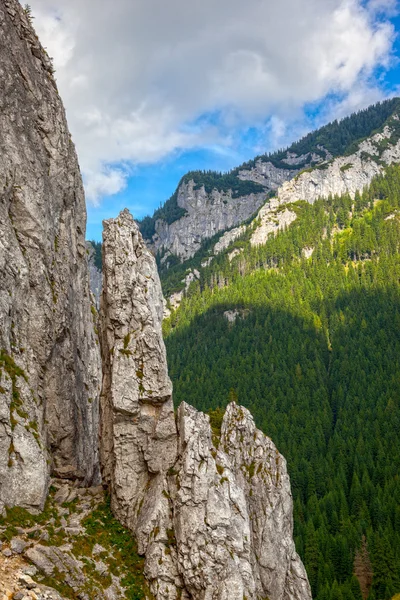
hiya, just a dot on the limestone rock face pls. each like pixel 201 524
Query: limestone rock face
pixel 228 238
pixel 50 361
pixel 212 515
pixel 261 472
pixel 272 219
pixel 308 177
pixel 138 424
pixel 207 214
pixel 265 173
pixel 345 174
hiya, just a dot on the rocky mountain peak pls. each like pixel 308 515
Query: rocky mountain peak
pixel 211 509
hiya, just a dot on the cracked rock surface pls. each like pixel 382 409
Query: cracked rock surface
pixel 206 215
pixel 49 357
pixel 345 174
pixel 212 511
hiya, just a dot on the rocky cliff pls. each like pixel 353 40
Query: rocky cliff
pixel 346 174
pixel 327 176
pixel 206 215
pixel 49 357
pixel 291 175
pixel 211 510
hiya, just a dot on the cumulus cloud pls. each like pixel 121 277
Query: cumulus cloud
pixel 137 77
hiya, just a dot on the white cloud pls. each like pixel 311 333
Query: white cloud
pixel 134 76
pixel 388 7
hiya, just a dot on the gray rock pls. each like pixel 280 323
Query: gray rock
pixel 206 215
pixel 50 559
pixel 272 218
pixel 101 568
pixel 62 494
pixel 270 176
pixel 97 549
pixel 44 536
pixel 27 581
pixel 6 552
pixel 31 570
pixel 38 556
pixel 346 174
pixel 96 490
pixel 212 522
pixel 138 426
pixel 209 213
pixel 46 326
pixel 227 239
pixel 18 545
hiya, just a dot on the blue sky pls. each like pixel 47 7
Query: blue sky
pixel 153 89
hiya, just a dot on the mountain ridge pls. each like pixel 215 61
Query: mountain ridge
pixel 266 172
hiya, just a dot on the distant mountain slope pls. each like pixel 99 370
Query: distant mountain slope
pixel 303 326
pixel 206 203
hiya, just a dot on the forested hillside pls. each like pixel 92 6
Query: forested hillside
pixel 312 348
pixel 337 138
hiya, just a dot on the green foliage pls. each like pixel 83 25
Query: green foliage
pixel 11 369
pixel 211 180
pixel 216 417
pixel 223 182
pixel 97 257
pixel 102 528
pixel 28 12
pixel 20 517
pixel 316 360
pixel 337 137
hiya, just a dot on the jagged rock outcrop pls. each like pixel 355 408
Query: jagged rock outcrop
pixel 265 173
pixel 206 215
pixel 138 430
pixel 345 174
pixel 272 218
pixel 212 514
pixel 209 213
pixel 228 238
pixel 49 359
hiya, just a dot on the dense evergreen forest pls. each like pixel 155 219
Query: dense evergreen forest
pixel 337 137
pixel 314 353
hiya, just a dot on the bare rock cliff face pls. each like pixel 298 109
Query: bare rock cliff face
pixel 345 174
pixel 207 214
pixel 49 361
pixel 267 174
pixel 212 515
pixel 311 176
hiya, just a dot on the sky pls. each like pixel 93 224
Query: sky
pixel 156 88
